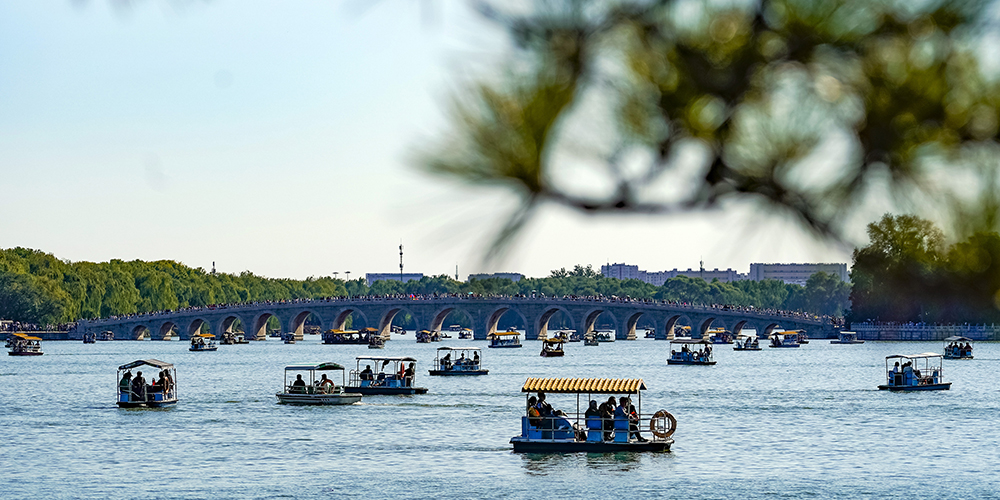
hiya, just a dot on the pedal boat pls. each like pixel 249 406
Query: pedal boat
pixel 90 338
pixel 203 342
pixel 505 340
pixel 589 340
pixel 686 355
pixel 465 333
pixel 458 361
pixel 914 372
pixel 375 341
pixel 604 335
pixel 24 345
pixel 784 339
pixel 552 348
pixel 720 336
pixel 746 343
pixel 847 338
pixel 344 337
pixel 148 396
pixel 312 392
pixel 370 382
pixel 953 348
pixel 572 433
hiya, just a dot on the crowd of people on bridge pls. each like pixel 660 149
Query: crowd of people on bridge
pixel 475 296
pixel 18 326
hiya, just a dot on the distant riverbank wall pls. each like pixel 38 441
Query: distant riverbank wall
pixel 924 332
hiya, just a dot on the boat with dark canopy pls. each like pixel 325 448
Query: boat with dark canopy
pixel 458 361
pixel 398 380
pixel 957 348
pixel 914 372
pixel 312 390
pixel 545 430
pixel 691 352
pixel 135 392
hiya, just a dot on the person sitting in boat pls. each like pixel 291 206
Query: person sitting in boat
pixel 299 386
pixel 621 415
pixel 593 416
pixel 168 384
pixel 126 382
pixel 633 423
pixel 139 387
pixel 475 359
pixel 408 374
pixel 367 373
pixel 533 414
pixel 326 385
pixel 607 410
pixel 446 361
pixel 895 370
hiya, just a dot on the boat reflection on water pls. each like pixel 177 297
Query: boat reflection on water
pixel 544 464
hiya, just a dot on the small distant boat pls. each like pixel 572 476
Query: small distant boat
pixel 746 343
pixel 955 349
pixel 574 336
pixel 89 338
pixel 784 339
pixel 233 338
pixel 344 337
pixel 455 328
pixel 315 391
pixel 288 337
pixel 589 340
pixel 914 372
pixel 427 336
pixel 465 333
pixel 720 336
pixel 458 361
pixel 21 344
pixel 547 431
pixel 399 379
pixel 398 330
pixel 691 352
pixel 505 340
pixel 552 348
pixel 604 335
pixel 847 338
pixel 203 342
pixel 107 335
pixel 376 342
pixel 134 392
pixel 650 333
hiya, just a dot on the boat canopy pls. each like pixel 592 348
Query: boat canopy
pixel 958 339
pixel 317 367
pixel 459 349
pixel 27 337
pixel 386 358
pixel 504 334
pixel 554 340
pixel 205 335
pixel 915 356
pixel 584 385
pixel 691 341
pixel 151 362
pixel 369 329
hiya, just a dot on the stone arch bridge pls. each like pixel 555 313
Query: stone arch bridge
pixel 430 312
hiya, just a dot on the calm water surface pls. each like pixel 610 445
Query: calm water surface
pixel 778 423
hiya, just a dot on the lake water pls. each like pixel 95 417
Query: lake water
pixel 777 423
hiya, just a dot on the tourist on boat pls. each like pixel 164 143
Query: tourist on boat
pixel 533 414
pixel 607 410
pixel 299 386
pixel 446 361
pixel 475 359
pixel 621 415
pixel 126 382
pixel 139 387
pixel 367 373
pixel 408 374
pixel 168 384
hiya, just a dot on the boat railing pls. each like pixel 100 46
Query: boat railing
pixel 359 379
pixel 151 394
pixel 578 427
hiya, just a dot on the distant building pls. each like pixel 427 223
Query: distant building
pixel 515 277
pixel 373 277
pixel 658 278
pixel 796 274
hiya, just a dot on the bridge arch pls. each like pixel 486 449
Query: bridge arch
pixel 165 329
pixel 296 323
pixel 672 322
pixel 493 318
pixel 632 320
pixel 744 324
pixel 590 319
pixel 258 328
pixel 194 327
pixel 340 319
pixel 437 319
pixel 542 327
pixel 768 330
pixel 140 332
pixel 227 322
pixel 708 323
pixel 385 323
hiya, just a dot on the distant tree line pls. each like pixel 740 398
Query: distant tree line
pixel 907 273
pixel 36 287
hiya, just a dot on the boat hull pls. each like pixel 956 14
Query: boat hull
pixel 523 445
pixel 147 404
pixel 748 349
pixel 458 372
pixel 958 357
pixel 783 346
pixel 504 346
pixel 203 349
pixel 680 362
pixel 387 391
pixel 345 398
pixel 909 388
pixel 847 341
pixel 550 354
pixel 29 353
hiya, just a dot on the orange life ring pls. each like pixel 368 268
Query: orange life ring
pixel 661 431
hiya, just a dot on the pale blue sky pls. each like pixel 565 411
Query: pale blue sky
pixel 278 137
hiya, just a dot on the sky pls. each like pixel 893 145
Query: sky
pixel 281 138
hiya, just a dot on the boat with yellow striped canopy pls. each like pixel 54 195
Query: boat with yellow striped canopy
pixel 599 429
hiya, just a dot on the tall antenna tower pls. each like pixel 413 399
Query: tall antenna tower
pixel 456 272
pixel 400 261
